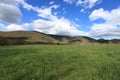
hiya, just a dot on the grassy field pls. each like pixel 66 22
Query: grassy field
pixel 60 62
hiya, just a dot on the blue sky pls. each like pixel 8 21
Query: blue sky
pixel 93 18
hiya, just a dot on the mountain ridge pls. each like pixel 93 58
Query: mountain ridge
pixel 35 37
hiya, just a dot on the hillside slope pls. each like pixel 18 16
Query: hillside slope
pixel 34 37
pixel 26 37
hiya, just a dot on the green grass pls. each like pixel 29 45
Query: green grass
pixel 60 62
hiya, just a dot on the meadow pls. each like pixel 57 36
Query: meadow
pixel 60 62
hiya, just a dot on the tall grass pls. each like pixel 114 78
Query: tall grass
pixel 60 62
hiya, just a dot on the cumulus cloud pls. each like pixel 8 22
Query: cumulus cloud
pixel 111 17
pixel 53 24
pixel 105 30
pixel 60 26
pixel 14 27
pixel 47 23
pixel 100 14
pixel 9 12
pixel 42 24
pixel 47 12
pixel 111 25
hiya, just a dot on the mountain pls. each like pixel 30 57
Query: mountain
pixel 115 41
pixel 34 37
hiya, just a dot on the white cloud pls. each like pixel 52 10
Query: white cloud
pixel 53 24
pixel 24 4
pixel 111 25
pixel 111 17
pixel 82 10
pixel 84 3
pixel 9 12
pixel 14 27
pixel 44 12
pixel 87 3
pixel 52 2
pixel 47 12
pixel 69 1
pixel 92 3
pixel 104 30
pixel 100 13
pixel 49 23
pixel 60 26
pixel 42 24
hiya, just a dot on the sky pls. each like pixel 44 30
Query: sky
pixel 93 18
